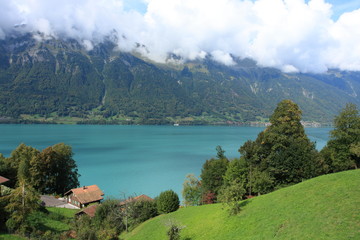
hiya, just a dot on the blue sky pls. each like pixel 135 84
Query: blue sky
pixel 342 6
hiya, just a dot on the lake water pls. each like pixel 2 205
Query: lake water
pixel 135 160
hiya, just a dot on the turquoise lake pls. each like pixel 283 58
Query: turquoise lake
pixel 135 160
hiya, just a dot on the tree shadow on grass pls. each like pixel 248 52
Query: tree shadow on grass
pixel 245 202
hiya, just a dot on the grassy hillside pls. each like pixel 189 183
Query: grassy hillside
pixel 58 220
pixel 327 207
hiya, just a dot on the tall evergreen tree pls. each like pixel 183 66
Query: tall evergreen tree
pixel 291 157
pixel 282 154
pixel 22 201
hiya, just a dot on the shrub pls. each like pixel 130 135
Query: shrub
pixel 174 232
pixel 168 201
pixel 140 211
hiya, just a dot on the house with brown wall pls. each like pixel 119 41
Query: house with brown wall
pixel 83 196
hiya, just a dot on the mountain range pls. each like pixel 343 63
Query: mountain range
pixel 51 79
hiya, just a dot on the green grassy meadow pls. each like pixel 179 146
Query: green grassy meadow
pixel 59 219
pixel 326 207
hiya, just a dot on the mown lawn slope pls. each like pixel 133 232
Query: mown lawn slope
pixel 326 207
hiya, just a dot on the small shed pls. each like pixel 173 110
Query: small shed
pixel 83 196
pixel 142 197
pixel 90 211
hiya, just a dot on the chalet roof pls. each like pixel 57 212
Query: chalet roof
pixel 87 194
pixel 3 179
pixel 142 197
pixel 90 210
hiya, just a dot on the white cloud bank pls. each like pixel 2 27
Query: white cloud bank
pixel 292 35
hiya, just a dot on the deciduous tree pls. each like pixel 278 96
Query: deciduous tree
pixel 191 191
pixel 55 170
pixel 212 174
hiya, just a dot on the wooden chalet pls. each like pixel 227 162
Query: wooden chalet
pixel 83 196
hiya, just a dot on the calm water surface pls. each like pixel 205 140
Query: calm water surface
pixel 138 159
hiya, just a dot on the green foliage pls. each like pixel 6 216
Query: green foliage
pixel 325 207
pixel 192 191
pixel 231 195
pixel 65 165
pixel 85 229
pixel 355 149
pixel 50 171
pixel 140 211
pixel 220 153
pixel 108 221
pixel 281 155
pixel 30 171
pixel 174 232
pixel 109 215
pixel 168 201
pixel 212 174
pixel 112 217
pixel 291 155
pixel 261 182
pixel 237 170
pixel 23 201
pixel 23 154
pixel 342 150
pixel 4 215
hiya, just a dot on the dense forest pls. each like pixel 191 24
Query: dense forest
pixel 59 81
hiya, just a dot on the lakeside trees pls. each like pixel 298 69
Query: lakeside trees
pixel 51 171
pixel 281 155
pixel 192 191
pixel 212 174
pixel 342 150
pixel 31 173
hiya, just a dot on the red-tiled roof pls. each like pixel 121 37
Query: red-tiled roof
pixel 142 197
pixel 87 194
pixel 90 211
pixel 2 179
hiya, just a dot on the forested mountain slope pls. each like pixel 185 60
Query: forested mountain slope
pixel 56 77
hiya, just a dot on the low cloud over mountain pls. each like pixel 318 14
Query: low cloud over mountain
pixel 292 35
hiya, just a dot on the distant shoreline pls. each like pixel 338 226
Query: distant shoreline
pixel 196 123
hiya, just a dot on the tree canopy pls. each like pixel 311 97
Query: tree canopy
pixel 342 150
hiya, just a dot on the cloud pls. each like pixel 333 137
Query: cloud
pixel 292 35
pixel 222 57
